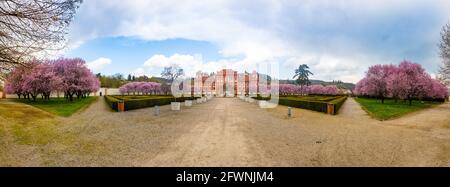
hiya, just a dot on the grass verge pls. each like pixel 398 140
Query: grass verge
pixel 33 137
pixel 60 106
pixel 391 109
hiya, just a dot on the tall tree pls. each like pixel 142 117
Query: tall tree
pixel 76 78
pixel 302 74
pixel 172 72
pixel 414 80
pixel 444 46
pixel 31 27
pixel 407 81
pixel 376 78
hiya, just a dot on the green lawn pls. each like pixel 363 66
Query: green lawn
pixel 27 133
pixel 391 109
pixel 61 106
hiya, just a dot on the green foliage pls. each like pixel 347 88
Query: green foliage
pixel 391 108
pixel 60 106
pixel 117 80
pixel 114 81
pixel 143 101
pixel 302 74
pixel 112 102
pixel 259 97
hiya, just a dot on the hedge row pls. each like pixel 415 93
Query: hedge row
pixel 338 103
pixel 316 105
pixel 135 103
pixel 112 102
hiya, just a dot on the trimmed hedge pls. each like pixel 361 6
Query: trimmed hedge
pixel 338 103
pixel 112 102
pixel 310 105
pixel 312 102
pixel 259 97
pixel 137 102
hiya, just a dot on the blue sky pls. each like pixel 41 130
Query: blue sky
pixel 129 53
pixel 338 39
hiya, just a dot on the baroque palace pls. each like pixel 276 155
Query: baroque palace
pixel 227 83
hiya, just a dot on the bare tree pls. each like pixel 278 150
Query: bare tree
pixel 30 27
pixel 444 46
pixel 172 72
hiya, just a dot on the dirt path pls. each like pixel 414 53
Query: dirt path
pixel 351 109
pixel 216 140
pixel 438 116
pixel 234 133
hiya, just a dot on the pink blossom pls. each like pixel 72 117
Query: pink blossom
pixel 140 88
pixel 406 81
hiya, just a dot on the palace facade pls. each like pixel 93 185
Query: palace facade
pixel 225 83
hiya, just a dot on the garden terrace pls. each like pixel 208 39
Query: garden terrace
pixel 133 102
pixel 311 102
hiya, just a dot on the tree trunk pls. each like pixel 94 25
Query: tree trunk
pixel 70 97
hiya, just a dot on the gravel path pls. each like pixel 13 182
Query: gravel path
pixel 230 132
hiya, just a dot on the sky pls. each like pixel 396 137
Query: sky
pixel 337 39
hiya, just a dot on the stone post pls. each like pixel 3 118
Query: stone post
pixel 156 110
pixel 330 108
pixel 121 106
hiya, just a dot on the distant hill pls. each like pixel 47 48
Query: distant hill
pixel 339 84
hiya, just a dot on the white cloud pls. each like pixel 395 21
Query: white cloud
pixel 139 72
pixel 98 64
pixel 191 64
